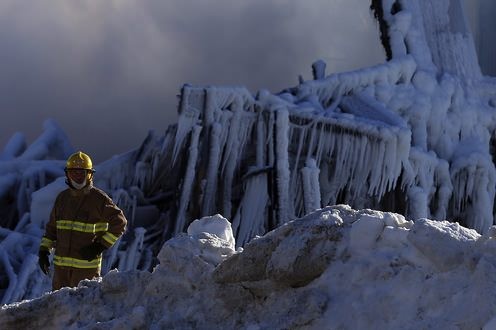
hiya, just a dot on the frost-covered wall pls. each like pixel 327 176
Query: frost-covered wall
pixel 267 159
pixel 452 111
pixel 414 135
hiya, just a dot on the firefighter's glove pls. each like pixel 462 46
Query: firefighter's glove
pixel 90 252
pixel 43 261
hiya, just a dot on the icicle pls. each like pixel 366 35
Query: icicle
pixel 261 140
pixel 142 175
pixel 110 257
pixel 29 266
pixel 282 165
pixel 210 106
pixel 444 190
pixel 239 129
pixel 155 165
pixel 22 193
pixel 356 160
pixel 188 180
pixel 7 183
pixel 166 143
pixel 311 143
pixel 250 217
pixel 311 186
pixel 212 171
pixel 474 178
pixel 229 164
pixel 233 139
pixel 133 254
pixel 191 103
pixel 320 144
pixel 302 135
pixel 126 203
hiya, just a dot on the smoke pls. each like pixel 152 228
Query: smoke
pixel 108 71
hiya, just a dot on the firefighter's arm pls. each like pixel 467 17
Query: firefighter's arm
pixel 116 223
pixel 50 236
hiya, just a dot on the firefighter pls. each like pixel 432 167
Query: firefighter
pixel 83 223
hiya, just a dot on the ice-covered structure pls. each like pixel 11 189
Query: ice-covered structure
pixel 414 135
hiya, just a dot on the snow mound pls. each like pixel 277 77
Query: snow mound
pixel 335 268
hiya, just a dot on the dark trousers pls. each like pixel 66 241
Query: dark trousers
pixel 68 276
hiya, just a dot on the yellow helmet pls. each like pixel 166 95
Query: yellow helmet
pixel 79 160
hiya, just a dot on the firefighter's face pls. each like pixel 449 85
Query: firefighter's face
pixel 77 175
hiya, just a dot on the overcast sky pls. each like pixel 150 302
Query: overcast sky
pixel 108 71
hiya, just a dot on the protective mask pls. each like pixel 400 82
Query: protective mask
pixel 78 186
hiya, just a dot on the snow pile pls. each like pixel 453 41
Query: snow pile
pixel 336 268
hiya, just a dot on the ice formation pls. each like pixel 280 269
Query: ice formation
pixel 336 268
pixel 414 135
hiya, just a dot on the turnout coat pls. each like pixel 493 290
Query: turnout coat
pixel 78 218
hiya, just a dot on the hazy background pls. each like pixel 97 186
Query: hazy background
pixel 109 70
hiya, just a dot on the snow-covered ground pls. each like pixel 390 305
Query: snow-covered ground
pixel 336 268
